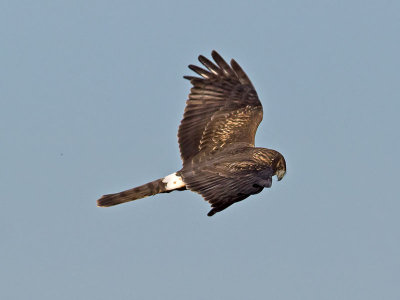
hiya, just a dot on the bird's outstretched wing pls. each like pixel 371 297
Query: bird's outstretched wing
pixel 224 184
pixel 223 108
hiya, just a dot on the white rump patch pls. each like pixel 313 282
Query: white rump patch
pixel 173 182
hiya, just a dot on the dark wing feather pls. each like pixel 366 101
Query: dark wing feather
pixel 210 65
pixel 222 64
pixel 226 184
pixel 223 108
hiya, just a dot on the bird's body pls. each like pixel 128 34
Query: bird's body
pixel 216 140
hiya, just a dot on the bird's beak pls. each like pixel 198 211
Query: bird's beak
pixel 280 174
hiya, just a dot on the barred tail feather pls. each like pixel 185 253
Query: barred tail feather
pixel 164 185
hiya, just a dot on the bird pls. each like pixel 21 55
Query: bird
pixel 216 141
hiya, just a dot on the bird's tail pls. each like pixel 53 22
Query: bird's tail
pixel 163 185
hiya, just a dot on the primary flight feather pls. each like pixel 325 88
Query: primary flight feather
pixel 216 141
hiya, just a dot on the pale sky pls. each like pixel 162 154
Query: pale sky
pixel 92 95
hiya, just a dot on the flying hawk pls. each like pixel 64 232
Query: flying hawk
pixel 216 141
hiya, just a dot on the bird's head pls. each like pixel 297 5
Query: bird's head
pixel 279 166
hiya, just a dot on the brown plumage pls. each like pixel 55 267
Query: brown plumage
pixel 216 141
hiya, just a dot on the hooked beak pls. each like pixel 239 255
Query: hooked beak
pixel 279 174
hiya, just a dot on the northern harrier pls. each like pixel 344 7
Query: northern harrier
pixel 216 141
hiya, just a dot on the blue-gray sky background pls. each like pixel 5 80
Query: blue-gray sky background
pixel 91 98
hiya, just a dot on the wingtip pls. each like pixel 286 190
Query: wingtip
pixel 235 66
pixel 242 76
pixel 201 57
pixel 215 55
pixel 211 212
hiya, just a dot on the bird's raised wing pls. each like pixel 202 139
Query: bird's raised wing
pixel 223 108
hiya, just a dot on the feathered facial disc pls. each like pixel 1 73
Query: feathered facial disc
pixel 280 168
